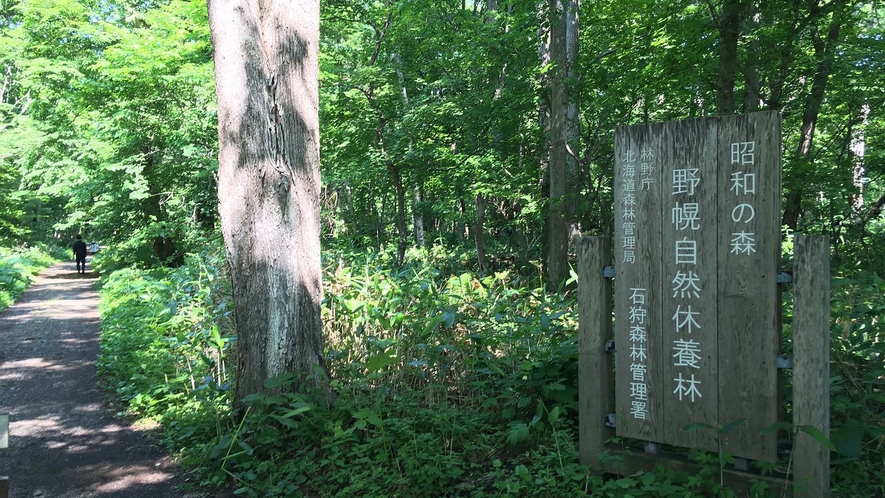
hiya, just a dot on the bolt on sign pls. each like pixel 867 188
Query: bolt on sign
pixel 697 245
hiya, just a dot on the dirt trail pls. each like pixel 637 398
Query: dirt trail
pixel 64 441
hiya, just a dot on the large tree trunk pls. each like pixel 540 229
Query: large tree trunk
pixel 268 182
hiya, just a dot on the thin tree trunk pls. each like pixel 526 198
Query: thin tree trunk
pixel 729 33
pixel 403 232
pixel 751 73
pixel 824 52
pixel 417 219
pixel 558 232
pixel 542 8
pixel 575 173
pixel 418 216
pixel 268 183
pixel 479 233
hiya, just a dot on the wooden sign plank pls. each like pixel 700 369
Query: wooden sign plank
pixel 749 251
pixel 697 245
pixel 637 249
pixel 689 249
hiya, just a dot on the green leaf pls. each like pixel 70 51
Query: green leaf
pixel 288 422
pixel 818 436
pixel 732 425
pixel 369 416
pixel 254 398
pixel 279 380
pixel 297 411
pixel 697 425
pixel 449 318
pixel 848 439
pixel 553 416
pixel 380 361
pixel 777 426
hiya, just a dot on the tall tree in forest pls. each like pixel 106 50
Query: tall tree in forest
pixel 562 166
pixel 825 40
pixel 266 70
pixel 729 24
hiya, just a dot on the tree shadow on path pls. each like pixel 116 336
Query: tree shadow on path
pixel 64 441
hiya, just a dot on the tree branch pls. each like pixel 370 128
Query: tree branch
pixel 714 16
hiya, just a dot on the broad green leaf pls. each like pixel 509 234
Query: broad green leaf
pixel 727 428
pixel 698 425
pixel 818 436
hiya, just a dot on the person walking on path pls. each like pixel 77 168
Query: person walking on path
pixel 80 254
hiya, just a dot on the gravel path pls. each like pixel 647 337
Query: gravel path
pixel 64 441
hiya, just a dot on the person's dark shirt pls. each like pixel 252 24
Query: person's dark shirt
pixel 80 249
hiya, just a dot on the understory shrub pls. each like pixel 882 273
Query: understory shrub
pixel 18 269
pixel 446 384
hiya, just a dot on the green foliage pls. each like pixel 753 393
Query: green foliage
pixel 857 372
pixel 445 385
pixel 18 269
pixel 165 333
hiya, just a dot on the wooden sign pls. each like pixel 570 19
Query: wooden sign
pixel 697 244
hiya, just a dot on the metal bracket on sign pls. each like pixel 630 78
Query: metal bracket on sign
pixel 610 346
pixel 610 420
pixel 784 362
pixel 784 447
pixel 784 277
pixel 608 272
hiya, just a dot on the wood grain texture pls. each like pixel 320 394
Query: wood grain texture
pixel 689 282
pixel 596 396
pixel 735 191
pixel 748 302
pixel 811 362
pixel 632 145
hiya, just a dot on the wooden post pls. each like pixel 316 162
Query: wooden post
pixel 4 430
pixel 811 363
pixel 596 396
pixel 4 443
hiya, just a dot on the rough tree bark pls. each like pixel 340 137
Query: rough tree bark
pixel 729 33
pixel 268 182
pixel 557 221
